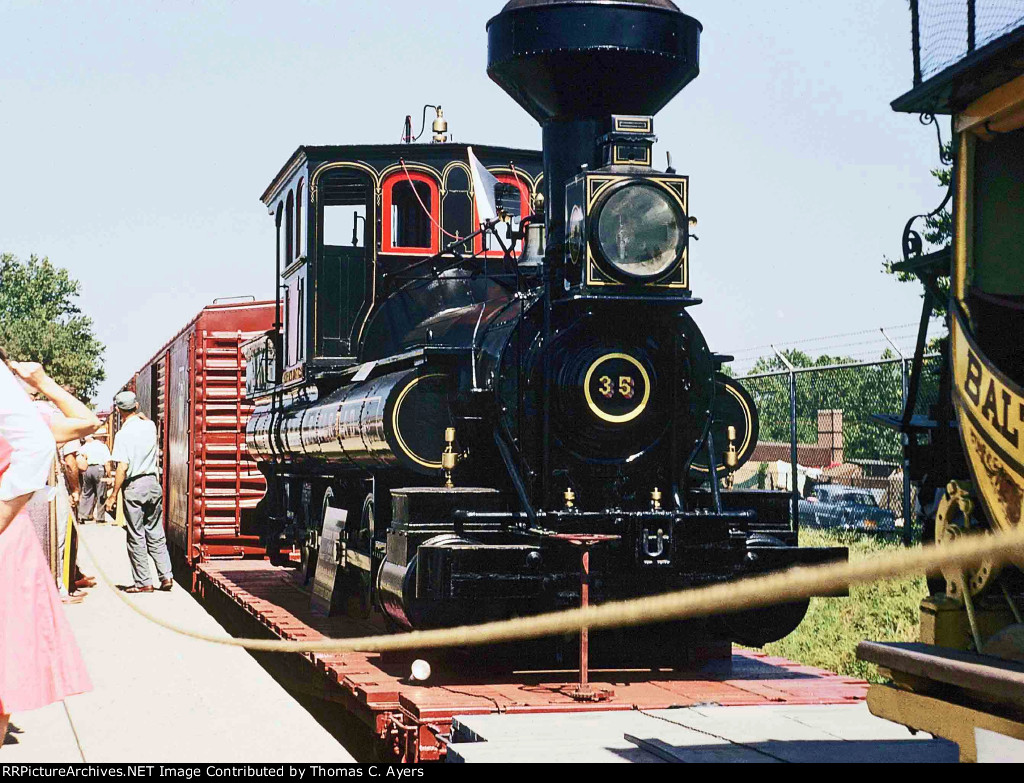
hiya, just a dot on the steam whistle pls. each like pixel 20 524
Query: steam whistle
pixel 440 127
pixel 656 499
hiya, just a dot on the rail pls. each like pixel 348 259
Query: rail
pixel 754 593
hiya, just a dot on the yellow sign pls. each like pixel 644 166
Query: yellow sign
pixel 987 395
pixel 990 409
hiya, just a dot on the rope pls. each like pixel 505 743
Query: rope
pixel 754 593
pixel 424 206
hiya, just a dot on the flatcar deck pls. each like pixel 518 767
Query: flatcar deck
pixel 410 717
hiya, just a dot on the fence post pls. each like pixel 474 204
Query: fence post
pixel 972 35
pixel 908 533
pixel 794 463
pixel 908 502
pixel 915 31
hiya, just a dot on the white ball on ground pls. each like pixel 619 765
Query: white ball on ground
pixel 420 671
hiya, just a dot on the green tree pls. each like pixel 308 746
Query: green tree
pixel 858 391
pixel 41 321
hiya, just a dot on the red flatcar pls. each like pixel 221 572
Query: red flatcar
pixel 194 389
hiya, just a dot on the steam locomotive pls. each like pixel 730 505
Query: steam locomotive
pixel 448 404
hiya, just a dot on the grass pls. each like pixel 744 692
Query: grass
pixel 883 611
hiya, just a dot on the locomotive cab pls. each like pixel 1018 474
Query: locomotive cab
pixel 348 221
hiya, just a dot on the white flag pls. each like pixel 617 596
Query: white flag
pixel 483 189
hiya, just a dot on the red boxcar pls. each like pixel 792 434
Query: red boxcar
pixel 193 388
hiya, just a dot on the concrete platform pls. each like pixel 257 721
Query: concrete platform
pixel 160 697
pixel 770 734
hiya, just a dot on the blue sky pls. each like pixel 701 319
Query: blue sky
pixel 136 139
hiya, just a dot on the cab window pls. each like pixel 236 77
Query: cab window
pixel 512 196
pixel 411 213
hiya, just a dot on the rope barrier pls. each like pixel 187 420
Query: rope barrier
pixel 753 593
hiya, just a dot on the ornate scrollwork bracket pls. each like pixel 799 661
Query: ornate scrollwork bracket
pixel 913 242
pixel 945 156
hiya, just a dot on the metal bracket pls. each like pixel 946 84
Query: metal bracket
pixel 654 545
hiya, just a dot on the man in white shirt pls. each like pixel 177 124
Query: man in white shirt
pixel 96 456
pixel 135 453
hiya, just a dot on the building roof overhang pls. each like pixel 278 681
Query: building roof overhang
pixel 977 74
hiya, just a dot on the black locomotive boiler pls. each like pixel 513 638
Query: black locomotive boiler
pixel 449 402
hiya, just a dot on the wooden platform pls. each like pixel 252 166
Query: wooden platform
pixel 409 718
pixel 952 694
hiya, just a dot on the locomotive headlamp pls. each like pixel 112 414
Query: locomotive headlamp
pixel 640 231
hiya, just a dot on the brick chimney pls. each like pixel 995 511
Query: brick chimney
pixel 830 433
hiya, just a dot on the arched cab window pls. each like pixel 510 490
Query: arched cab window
pixel 512 195
pixel 289 252
pixel 298 219
pixel 412 210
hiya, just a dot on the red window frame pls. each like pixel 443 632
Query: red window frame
pixel 435 214
pixel 524 211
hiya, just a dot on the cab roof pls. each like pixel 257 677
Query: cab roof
pixel 371 153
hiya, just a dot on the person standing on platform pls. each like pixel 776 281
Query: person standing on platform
pixel 39 660
pixel 69 420
pixel 97 458
pixel 135 454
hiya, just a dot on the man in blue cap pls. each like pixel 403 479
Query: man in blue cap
pixel 135 454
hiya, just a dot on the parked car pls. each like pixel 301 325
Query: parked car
pixel 840 507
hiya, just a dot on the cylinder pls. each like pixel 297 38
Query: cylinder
pixel 394 421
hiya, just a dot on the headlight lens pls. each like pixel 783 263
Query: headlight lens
pixel 641 231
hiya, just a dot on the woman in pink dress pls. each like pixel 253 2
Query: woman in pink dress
pixel 39 659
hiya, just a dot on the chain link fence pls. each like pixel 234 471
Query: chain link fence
pixel 946 31
pixel 845 464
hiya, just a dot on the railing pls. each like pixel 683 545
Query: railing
pixel 946 31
